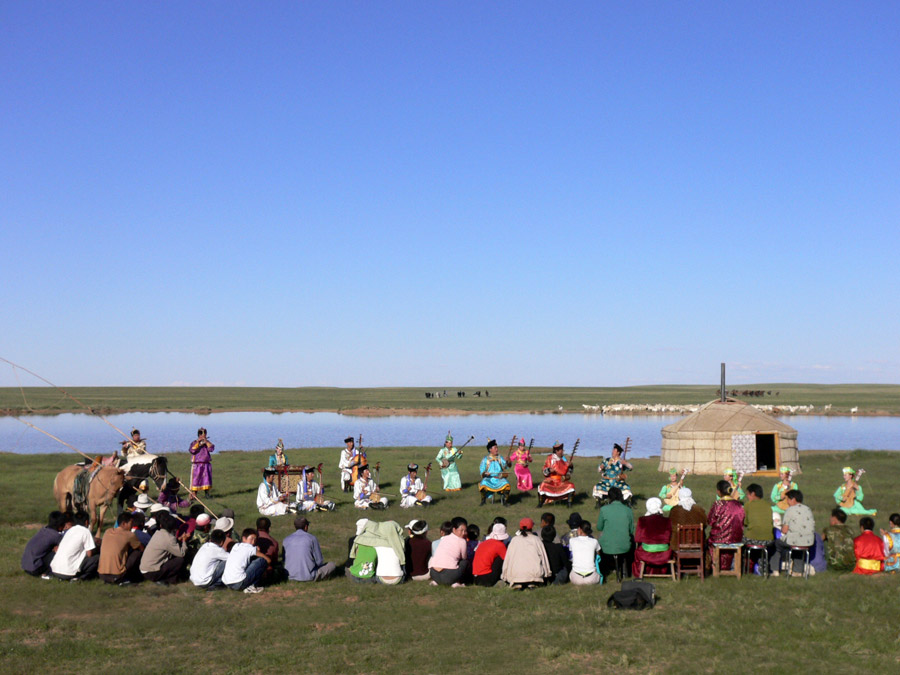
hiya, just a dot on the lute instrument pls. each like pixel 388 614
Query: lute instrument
pixel 622 476
pixel 672 498
pixel 320 498
pixel 446 462
pixel 421 494
pixel 783 502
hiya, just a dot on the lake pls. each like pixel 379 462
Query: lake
pixel 173 432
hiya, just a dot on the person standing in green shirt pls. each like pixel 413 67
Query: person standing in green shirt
pixel 615 531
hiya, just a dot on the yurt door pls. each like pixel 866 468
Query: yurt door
pixel 753 453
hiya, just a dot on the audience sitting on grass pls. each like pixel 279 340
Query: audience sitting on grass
pixel 526 564
pixel 209 563
pixel 120 554
pixel 246 564
pixel 839 542
pixel 869 548
pixel 303 559
pixel 76 556
pixel 41 548
pixel 892 545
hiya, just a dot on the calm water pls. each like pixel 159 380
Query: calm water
pixel 173 432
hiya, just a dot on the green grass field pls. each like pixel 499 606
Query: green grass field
pixel 339 627
pixel 869 398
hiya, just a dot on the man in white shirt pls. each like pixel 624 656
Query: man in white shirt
pixel 584 549
pixel 75 559
pixel 269 499
pixel 209 563
pixel 246 564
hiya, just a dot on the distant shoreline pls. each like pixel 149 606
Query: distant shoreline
pixel 406 412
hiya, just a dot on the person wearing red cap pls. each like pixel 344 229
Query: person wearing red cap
pixel 526 564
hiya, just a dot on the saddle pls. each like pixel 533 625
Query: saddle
pixel 81 485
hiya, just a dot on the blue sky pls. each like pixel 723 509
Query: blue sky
pixel 450 194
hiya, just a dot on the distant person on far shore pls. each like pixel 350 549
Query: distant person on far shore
pixel 201 463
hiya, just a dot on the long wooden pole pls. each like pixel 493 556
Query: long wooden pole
pixel 195 497
pixel 58 440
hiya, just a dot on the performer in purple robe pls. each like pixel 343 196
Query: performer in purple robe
pixel 201 465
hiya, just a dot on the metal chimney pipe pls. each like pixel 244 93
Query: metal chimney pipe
pixel 723 383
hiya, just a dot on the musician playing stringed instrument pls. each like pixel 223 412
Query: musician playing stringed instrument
pixel 780 489
pixel 734 480
pixel 493 474
pixel 612 473
pixel 310 495
pixel 669 492
pixel 412 489
pixel 365 492
pixel 448 457
pixel 556 484
pixel 849 495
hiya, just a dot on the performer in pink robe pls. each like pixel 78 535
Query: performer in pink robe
pixel 521 458
pixel 201 465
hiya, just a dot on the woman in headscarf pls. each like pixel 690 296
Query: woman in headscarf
pixel 688 512
pixel 726 523
pixel 651 539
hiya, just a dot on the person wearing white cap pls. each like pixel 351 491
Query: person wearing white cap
pixel 651 539
pixel 411 485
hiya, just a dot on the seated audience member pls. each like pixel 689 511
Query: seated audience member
pixel 473 532
pixel 120 554
pixel 449 564
pixel 615 528
pixel 557 555
pixel 548 520
pixel 137 526
pixel 446 528
pixel 526 564
pixel 200 535
pixel 892 545
pixel 246 564
pixel 76 558
pixel 387 540
pixel 688 512
pixel 209 563
pixel 798 528
pixel 500 520
pixel 487 564
pixel 418 551
pixel 163 561
pixel 573 521
pixel 41 548
pixel 651 539
pixel 303 559
pixel 226 525
pixel 726 524
pixel 584 549
pixel 758 529
pixel 267 544
pixel 362 558
pixel 869 549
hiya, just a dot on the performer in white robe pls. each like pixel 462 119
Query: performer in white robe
pixel 410 484
pixel 269 499
pixel 345 465
pixel 307 491
pixel 363 490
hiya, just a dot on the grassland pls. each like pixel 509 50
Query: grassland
pixel 720 625
pixel 869 398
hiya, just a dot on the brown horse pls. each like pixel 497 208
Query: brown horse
pixel 101 493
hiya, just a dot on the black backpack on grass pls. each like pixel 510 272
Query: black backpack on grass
pixel 633 595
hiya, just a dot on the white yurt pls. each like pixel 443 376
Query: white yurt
pixel 729 434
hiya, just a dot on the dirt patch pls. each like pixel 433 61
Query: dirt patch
pixel 32 526
pixel 328 627
pixel 426 601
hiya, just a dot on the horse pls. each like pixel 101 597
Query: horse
pixel 135 472
pixel 104 487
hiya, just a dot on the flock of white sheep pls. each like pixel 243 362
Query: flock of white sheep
pixel 666 408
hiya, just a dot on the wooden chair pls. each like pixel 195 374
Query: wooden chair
pixel 689 548
pixel 663 575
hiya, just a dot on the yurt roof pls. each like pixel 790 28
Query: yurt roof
pixel 731 416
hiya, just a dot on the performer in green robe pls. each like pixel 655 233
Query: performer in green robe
pixel 447 457
pixel 851 483
pixel 780 489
